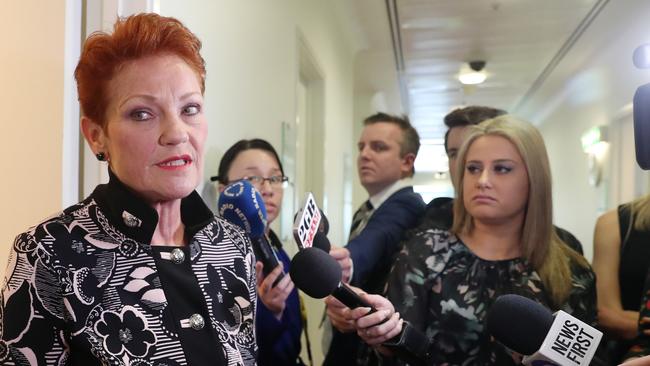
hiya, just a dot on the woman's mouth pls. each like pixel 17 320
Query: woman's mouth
pixel 175 162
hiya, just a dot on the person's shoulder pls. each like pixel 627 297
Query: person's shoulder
pixel 608 219
pixel 61 225
pixel 407 196
pixel 569 239
pixel 220 227
pixel 434 237
pixel 582 273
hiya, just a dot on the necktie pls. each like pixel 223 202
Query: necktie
pixel 360 219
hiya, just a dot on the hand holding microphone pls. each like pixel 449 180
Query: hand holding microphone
pixel 342 256
pixel 379 327
pixel 273 292
pixel 319 275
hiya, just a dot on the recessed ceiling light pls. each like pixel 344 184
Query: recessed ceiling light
pixel 474 74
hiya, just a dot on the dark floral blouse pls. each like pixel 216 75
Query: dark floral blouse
pixel 641 344
pixel 444 290
pixel 85 287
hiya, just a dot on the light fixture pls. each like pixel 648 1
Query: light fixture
pixel 595 145
pixel 474 74
pixel 594 141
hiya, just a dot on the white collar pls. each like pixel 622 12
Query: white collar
pixel 380 197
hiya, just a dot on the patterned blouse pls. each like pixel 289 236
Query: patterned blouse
pixel 444 290
pixel 84 287
pixel 640 346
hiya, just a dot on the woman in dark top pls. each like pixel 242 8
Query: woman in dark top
pixel 140 272
pixel 621 261
pixel 278 324
pixel 640 345
pixel 502 241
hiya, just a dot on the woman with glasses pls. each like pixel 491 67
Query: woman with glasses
pixel 278 321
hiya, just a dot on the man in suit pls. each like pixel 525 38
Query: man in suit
pixel 387 149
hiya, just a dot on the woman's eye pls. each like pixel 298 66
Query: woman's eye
pixel 141 115
pixel 502 169
pixel 473 168
pixel 191 110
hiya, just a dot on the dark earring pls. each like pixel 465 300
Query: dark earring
pixel 100 156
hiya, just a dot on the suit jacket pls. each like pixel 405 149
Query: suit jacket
pixel 373 252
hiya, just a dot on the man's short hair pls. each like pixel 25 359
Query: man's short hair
pixel 410 140
pixel 468 116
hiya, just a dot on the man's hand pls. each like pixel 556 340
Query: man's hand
pixel 342 255
pixel 274 298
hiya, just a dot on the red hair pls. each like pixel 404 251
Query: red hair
pixel 134 37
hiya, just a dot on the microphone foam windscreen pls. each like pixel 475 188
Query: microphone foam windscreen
pixel 642 126
pixel 641 56
pixel 315 272
pixel 519 323
pixel 241 204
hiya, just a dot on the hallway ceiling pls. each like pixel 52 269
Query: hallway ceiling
pixel 521 41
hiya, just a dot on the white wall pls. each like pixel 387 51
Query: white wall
pixel 32 101
pixel 251 51
pixel 592 86
pixel 250 48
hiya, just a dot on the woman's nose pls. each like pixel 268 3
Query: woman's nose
pixel 265 187
pixel 173 131
pixel 484 179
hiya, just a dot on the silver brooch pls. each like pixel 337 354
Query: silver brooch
pixel 130 220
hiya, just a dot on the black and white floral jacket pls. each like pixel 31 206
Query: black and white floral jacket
pixel 84 287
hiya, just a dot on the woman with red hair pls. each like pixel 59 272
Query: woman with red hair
pixel 140 272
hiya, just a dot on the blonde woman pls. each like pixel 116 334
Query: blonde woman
pixel 502 241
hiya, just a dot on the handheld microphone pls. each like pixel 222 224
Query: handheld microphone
pixel 320 239
pixel 641 107
pixel 241 204
pixel 641 56
pixel 307 223
pixel 322 242
pixel 318 275
pixel 544 338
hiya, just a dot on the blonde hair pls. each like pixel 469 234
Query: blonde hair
pixel 540 245
pixel 639 211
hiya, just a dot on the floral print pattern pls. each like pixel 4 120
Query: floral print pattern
pixel 641 344
pixel 79 290
pixel 440 287
pixel 125 332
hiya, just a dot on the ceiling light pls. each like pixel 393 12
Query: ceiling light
pixel 474 74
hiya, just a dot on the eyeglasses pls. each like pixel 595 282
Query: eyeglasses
pixel 274 181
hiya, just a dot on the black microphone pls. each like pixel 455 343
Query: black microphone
pixel 530 329
pixel 318 275
pixel 320 239
pixel 322 242
pixel 309 221
pixel 641 107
